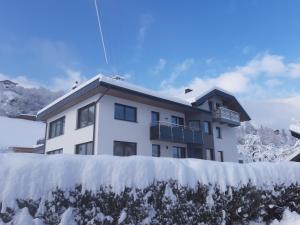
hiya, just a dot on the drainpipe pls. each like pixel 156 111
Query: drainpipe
pixel 95 117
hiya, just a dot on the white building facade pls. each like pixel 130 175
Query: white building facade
pixel 108 116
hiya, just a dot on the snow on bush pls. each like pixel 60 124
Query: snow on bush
pixel 70 189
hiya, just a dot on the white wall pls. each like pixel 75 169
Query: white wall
pixel 72 136
pixel 228 142
pixel 111 130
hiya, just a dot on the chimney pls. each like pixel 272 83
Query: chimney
pixel 187 90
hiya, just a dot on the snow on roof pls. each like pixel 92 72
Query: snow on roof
pixel 69 93
pixel 118 83
pixel 19 132
pixel 295 128
pixel 143 90
pixel 24 176
pixel 212 89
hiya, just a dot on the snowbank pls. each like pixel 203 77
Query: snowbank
pixel 32 176
pixel 289 218
pixel 19 132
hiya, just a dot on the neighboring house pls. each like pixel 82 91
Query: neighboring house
pixel 110 116
pixel 20 135
pixel 295 131
pixel 7 84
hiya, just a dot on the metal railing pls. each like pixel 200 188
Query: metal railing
pixel 224 113
pixel 167 131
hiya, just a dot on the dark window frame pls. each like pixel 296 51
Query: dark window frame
pixel 124 113
pixel 222 155
pixel 123 148
pixel 85 143
pixel 219 132
pixel 209 127
pixel 182 152
pixel 159 151
pixel 211 152
pixel 51 124
pixel 198 128
pixel 158 116
pixel 179 120
pixel 55 152
pixel 83 108
pixel 210 106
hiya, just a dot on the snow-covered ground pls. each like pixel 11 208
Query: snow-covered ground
pixel 19 132
pixel 33 176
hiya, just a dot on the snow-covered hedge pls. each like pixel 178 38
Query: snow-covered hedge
pixel 70 190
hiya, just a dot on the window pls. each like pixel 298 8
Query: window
pixel 210 105
pixel 219 133
pixel 54 152
pixel 177 120
pixel 209 154
pixel 207 127
pixel 218 105
pixel 178 152
pixel 194 124
pixel 220 156
pixel 156 150
pixel 57 127
pixel 85 149
pixel 86 116
pixel 124 112
pixel 154 118
pixel 122 148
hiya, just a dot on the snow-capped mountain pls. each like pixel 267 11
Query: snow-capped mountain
pixel 15 100
pixel 265 144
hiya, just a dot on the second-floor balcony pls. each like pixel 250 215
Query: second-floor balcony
pixel 170 132
pixel 228 116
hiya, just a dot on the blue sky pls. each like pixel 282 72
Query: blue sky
pixel 250 48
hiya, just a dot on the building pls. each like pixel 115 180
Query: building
pixel 7 84
pixel 20 135
pixel 110 116
pixel 295 131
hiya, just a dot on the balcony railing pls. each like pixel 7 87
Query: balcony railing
pixel 227 116
pixel 170 132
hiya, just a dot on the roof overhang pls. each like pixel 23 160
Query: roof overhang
pixel 229 98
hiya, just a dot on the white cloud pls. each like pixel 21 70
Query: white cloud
pixel 63 82
pixel 294 70
pixel 21 79
pixel 255 83
pixel 178 70
pixel 160 66
pixel 277 113
pixel 273 83
pixel 145 22
pixel 67 81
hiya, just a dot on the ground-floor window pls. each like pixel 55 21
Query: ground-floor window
pixel 85 148
pixel 209 154
pixel 122 148
pixel 156 150
pixel 178 152
pixel 56 151
pixel 220 156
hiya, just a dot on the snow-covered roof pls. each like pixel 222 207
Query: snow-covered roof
pixel 295 128
pixel 19 132
pixel 104 80
pixel 143 90
pixel 69 93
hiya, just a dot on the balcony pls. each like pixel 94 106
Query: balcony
pixel 230 117
pixel 164 131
